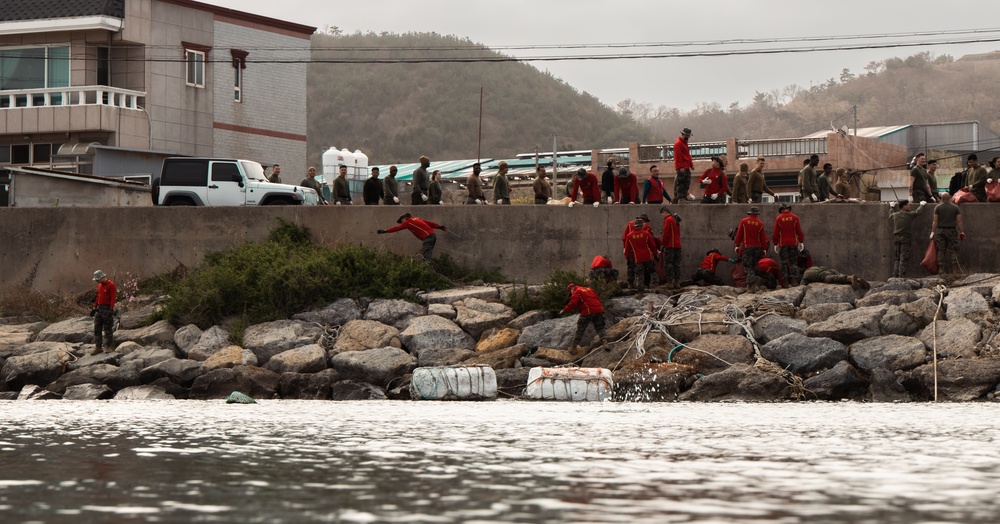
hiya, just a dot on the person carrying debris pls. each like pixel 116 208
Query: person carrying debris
pixel 104 313
pixel 585 301
pixel 422 229
pixel 901 218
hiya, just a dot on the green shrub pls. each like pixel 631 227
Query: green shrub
pixel 447 267
pixel 554 296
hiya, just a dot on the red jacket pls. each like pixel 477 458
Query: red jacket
pixel 107 293
pixel 682 155
pixel 671 233
pixel 419 227
pixel 768 265
pixel 589 187
pixel 585 301
pixel 750 233
pixel 630 227
pixel 600 263
pixel 787 230
pixel 712 261
pixel 718 182
pixel 641 245
pixel 653 191
pixel 628 186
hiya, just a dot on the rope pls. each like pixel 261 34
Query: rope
pixel 941 291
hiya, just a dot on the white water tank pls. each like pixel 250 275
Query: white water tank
pixel 576 384
pixel 454 383
pixel 361 165
pixel 331 158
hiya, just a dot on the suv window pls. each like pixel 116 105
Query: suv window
pixel 226 172
pixel 184 173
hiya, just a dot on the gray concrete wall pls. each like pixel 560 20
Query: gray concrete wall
pixel 32 190
pixel 57 249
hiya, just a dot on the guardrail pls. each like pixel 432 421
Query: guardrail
pixel 72 96
pixel 665 152
pixel 782 147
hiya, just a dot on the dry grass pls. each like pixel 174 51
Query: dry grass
pixel 29 304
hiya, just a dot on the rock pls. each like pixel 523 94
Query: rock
pixel 958 380
pixel 171 388
pixel 186 337
pixel 230 357
pixel 790 295
pixel 711 321
pixel 529 318
pixel 891 352
pixel 921 311
pixel 159 333
pixel 555 356
pixel 148 356
pixel 981 283
pixel 512 382
pixel 498 358
pixel 801 354
pixel 135 316
pixel 995 294
pixel 715 353
pixel 964 301
pixel 182 372
pixel 850 326
pixel 34 392
pixel 353 390
pixel 78 329
pixel 955 338
pixel 497 339
pixel 395 313
pixel 896 284
pixel 270 338
pixel 896 322
pixel 336 314
pixel 88 392
pixel 307 386
pixel 886 387
pixel 442 310
pixel 359 335
pixel 12 337
pixel 211 341
pixel 36 367
pixel 820 312
pixel 125 376
pixel 450 296
pixel 842 381
pixel 532 362
pixel 475 316
pixel 219 383
pixel 652 382
pixel 429 358
pixel 508 291
pixel 306 359
pixel 431 332
pixel 555 333
pixel 623 307
pixel 771 327
pixel 95 374
pixel 738 382
pixel 125 347
pixel 143 393
pixel 376 366
pixel 817 293
pixel 892 298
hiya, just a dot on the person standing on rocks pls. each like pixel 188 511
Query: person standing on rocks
pixel 751 243
pixel 832 276
pixel 390 188
pixel 104 313
pixel 788 241
pixel 372 191
pixel 422 229
pixel 629 262
pixel 421 183
pixel 902 233
pixel 682 167
pixel 946 231
pixel 640 247
pixel 585 301
pixel 670 246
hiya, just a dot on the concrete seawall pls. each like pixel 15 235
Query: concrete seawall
pixel 57 249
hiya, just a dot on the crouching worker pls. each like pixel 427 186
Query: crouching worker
pixel 422 229
pixel 585 301
pixel 769 273
pixel 601 269
pixel 706 271
pixel 832 276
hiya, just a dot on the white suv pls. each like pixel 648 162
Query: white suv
pixel 185 181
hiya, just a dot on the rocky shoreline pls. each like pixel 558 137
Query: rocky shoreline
pixel 815 342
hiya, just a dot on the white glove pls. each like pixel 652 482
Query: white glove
pixel 736 250
pixel 802 246
pixel 989 180
pixel 932 235
pixel 395 199
pixel 549 200
pixel 596 203
pixel 892 204
pixel 338 202
pixel 776 249
pixel 571 204
pixel 691 196
pixel 814 197
pixel 923 203
pixel 610 200
pixel 479 201
pixel 704 181
pixel 423 197
pixel 715 196
pixel 499 201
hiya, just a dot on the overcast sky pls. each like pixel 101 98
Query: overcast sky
pixel 674 82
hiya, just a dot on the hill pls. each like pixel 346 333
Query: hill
pixel 397 112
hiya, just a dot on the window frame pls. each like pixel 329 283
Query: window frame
pixel 47 63
pixel 239 64
pixel 194 62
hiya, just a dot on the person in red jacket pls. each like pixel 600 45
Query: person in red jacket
pixel 422 229
pixel 601 268
pixel 586 184
pixel 714 183
pixel 751 243
pixel 104 313
pixel 770 273
pixel 640 247
pixel 626 187
pixel 585 301
pixel 706 271
pixel 682 166
pixel 788 241
pixel 629 263
pixel 670 246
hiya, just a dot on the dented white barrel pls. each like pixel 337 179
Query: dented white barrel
pixel 576 384
pixel 454 383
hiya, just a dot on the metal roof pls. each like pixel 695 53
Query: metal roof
pixel 867 132
pixel 18 10
pixel 517 167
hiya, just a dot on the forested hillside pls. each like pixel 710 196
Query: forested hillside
pixel 919 89
pixel 397 112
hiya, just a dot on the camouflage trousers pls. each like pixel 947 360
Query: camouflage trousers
pixel 946 244
pixel 672 262
pixel 901 251
pixel 751 255
pixel 104 327
pixel 789 258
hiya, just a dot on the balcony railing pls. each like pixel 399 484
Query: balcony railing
pixel 665 152
pixel 72 96
pixel 781 147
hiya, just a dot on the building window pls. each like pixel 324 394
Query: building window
pixel 239 64
pixel 34 67
pixel 195 61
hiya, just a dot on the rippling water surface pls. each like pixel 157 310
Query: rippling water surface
pixel 506 461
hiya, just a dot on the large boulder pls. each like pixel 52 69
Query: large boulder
pixel 125 376
pixel 476 316
pixel 230 357
pixel 964 301
pixel 356 390
pixel 555 333
pixel 148 356
pixel 113 358
pixel 801 354
pixel 850 326
pixel 789 295
pixel 35 367
pixel 33 392
pixel 182 372
pixel 359 335
pixel 892 298
pixel 307 386
pixel 96 374
pixel 450 296
pixel 429 358
pixel 251 380
pixel 958 380
pixel 498 358
pixel 186 337
pixel 842 381
pixel 892 352
pixel 819 312
pixel 955 338
pixel 13 336
pixel 497 339
pixel 710 321
pixel 818 293
pixel 88 392
pixel 652 382
pixel 430 332
pixel 375 366
pixel 306 359
pixel 709 354
pixel 896 322
pixel 553 356
pixel 148 392
pixel 442 310
pixel 738 382
pixel 922 311
pixel 886 386
pixel 78 329
pixel 270 338
pixel 529 318
pixel 336 314
pixel 395 313
pixel 771 327
pixel 161 333
pixel 211 341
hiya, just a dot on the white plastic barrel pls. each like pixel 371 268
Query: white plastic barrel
pixel 454 383
pixel 576 384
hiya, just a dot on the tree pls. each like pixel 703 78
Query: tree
pixel 846 76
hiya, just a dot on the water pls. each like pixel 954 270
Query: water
pixel 505 461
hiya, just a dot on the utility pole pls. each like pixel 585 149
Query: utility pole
pixel 479 141
pixel 555 165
